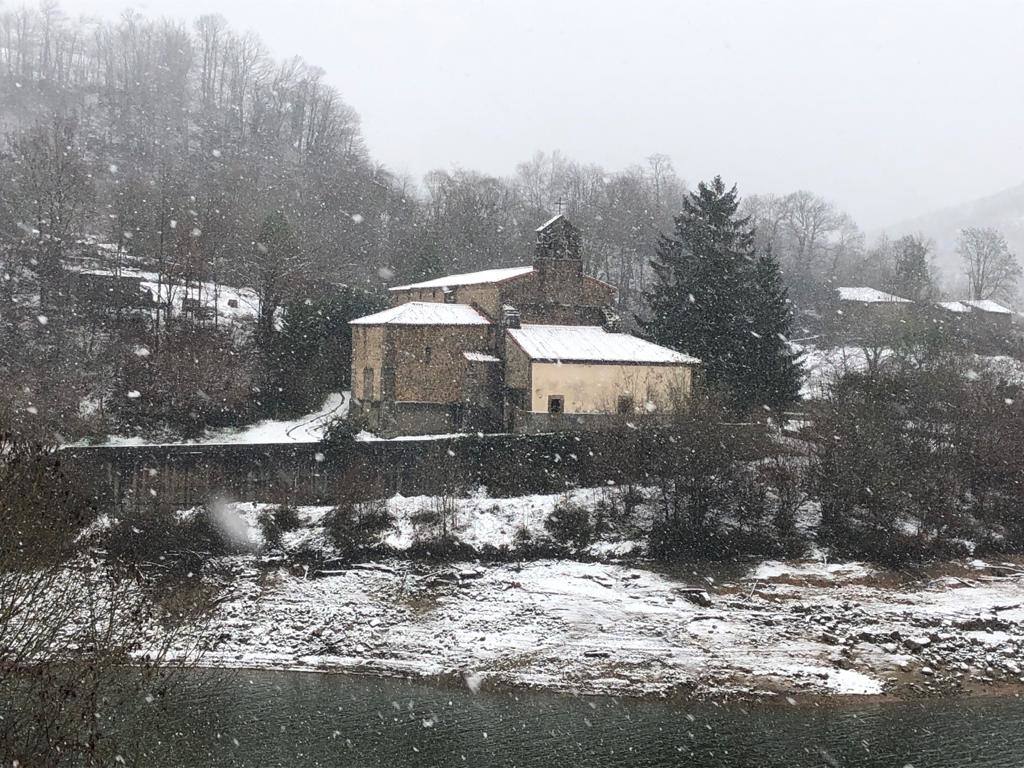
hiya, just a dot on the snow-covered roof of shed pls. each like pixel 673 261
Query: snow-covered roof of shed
pixel 480 357
pixel 592 344
pixel 469 278
pixel 987 305
pixel 867 295
pixel 954 306
pixel 424 313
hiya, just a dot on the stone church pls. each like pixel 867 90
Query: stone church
pixel 520 349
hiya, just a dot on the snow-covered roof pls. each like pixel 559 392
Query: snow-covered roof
pixel 480 357
pixel 549 222
pixel 591 344
pixel 987 305
pixel 425 313
pixel 954 306
pixel 469 278
pixel 866 295
pixel 125 274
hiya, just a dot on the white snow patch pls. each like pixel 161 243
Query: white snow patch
pixel 775 569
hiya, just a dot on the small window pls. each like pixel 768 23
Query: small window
pixel 556 404
pixel 428 353
pixel 625 404
pixel 368 384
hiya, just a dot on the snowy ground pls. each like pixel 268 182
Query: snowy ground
pixel 823 365
pixel 308 428
pixel 214 298
pixel 615 628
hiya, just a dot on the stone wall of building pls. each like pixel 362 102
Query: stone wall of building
pixel 429 366
pixel 367 353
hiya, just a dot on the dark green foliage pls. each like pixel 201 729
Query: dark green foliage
pixel 274 269
pixel 273 536
pixel 716 299
pixel 774 375
pixel 911 271
pixel 312 353
pixel 570 524
pixel 287 518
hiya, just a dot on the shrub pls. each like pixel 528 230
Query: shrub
pixel 273 536
pixel 276 522
pixel 701 482
pixel 148 536
pixel 436 524
pixel 570 524
pixel 353 527
pixel 341 431
pixel 195 380
pixel 42 511
pixel 892 464
pixel 287 518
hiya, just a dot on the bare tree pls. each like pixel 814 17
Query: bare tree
pixel 991 269
pixel 49 192
pixel 82 642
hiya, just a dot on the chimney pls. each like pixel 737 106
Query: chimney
pixel 610 320
pixel 510 316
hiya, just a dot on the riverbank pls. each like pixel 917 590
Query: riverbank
pixel 775 630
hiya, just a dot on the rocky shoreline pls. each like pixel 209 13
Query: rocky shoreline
pixel 777 631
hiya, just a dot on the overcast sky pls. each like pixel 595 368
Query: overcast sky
pixel 890 108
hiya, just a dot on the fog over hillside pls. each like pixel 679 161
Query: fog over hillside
pixel 1003 211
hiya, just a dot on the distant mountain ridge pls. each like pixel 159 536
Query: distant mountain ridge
pixel 1003 211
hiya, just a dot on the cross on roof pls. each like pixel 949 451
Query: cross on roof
pixel 559 204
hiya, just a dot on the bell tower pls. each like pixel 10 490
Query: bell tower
pixel 558 261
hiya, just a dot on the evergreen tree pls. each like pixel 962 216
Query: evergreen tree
pixel 912 278
pixel 311 356
pixel 717 300
pixel 773 373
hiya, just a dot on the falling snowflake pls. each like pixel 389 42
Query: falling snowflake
pixel 473 681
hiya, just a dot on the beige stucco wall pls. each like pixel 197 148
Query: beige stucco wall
pixel 367 352
pixel 595 387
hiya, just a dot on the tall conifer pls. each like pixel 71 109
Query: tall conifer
pixel 716 299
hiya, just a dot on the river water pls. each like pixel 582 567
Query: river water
pixel 263 719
